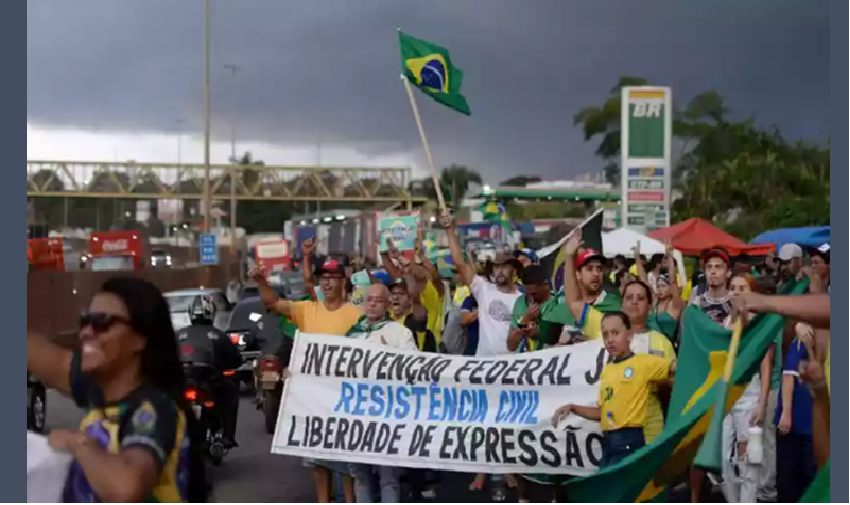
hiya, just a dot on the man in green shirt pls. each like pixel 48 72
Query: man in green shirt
pixel 538 317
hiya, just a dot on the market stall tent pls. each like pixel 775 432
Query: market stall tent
pixel 694 236
pixel 805 237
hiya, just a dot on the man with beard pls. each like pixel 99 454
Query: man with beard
pixel 585 298
pixel 496 302
pixel 790 264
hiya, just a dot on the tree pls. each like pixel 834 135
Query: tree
pixel 605 122
pixel 259 216
pixel 745 178
pixel 521 181
pixel 455 182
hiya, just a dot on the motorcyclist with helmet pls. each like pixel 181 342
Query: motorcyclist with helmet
pixel 203 343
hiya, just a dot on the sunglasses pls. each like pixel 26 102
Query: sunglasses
pixel 101 323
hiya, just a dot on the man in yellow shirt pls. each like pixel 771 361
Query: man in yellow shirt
pixel 332 316
pixel 627 384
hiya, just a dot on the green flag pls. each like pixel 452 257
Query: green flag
pixel 819 490
pixel 429 67
pixel 644 476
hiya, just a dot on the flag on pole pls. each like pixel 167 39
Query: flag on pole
pixel 552 257
pixel 645 476
pixel 429 67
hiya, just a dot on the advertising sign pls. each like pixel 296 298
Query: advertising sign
pixel 647 131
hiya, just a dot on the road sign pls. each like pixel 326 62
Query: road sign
pixel 647 132
pixel 209 250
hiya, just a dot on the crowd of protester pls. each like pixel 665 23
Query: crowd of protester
pixel 634 305
pixel 775 437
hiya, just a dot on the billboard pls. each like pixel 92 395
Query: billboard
pixel 647 133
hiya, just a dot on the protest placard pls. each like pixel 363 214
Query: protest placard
pixel 402 230
pixel 357 402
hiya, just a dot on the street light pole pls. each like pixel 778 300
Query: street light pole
pixel 233 159
pixel 207 126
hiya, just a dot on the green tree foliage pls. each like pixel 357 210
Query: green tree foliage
pixel 521 181
pixel 743 177
pixel 259 216
pixel 455 182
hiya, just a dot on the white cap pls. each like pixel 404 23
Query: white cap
pixel 824 248
pixel 790 251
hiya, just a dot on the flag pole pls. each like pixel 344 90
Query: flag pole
pixel 425 144
pixel 710 457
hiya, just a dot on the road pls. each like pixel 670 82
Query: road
pixel 251 474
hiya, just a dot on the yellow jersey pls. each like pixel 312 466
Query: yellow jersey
pixel 653 344
pixel 591 323
pixel 626 387
pixel 314 317
pixel 433 303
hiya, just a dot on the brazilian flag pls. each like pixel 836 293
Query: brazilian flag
pixel 645 476
pixel 429 67
pixel 819 492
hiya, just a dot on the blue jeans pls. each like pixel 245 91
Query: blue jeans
pixel 389 483
pixel 618 445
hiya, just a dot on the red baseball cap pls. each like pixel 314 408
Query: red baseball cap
pixel 331 267
pixel 717 253
pixel 587 256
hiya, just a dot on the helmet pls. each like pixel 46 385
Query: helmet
pixel 202 310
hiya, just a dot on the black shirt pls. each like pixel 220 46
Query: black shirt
pixel 208 345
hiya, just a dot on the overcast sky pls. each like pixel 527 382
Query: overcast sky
pixel 109 79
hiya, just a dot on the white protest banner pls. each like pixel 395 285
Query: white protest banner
pixel 47 471
pixel 357 402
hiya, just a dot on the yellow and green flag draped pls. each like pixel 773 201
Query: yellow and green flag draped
pixel 819 490
pixel 429 67
pixel 645 476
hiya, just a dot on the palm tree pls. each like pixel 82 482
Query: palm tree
pixel 605 121
pixel 455 181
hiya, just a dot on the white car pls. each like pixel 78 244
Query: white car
pixel 180 301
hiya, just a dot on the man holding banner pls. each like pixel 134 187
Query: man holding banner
pixel 332 316
pixel 375 326
pixel 496 301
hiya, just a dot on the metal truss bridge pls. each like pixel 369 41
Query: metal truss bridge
pixel 170 181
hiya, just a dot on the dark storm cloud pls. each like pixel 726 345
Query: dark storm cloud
pixel 327 69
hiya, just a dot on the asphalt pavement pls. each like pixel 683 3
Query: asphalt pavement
pixel 251 474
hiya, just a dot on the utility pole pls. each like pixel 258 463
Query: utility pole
pixel 175 219
pixel 207 122
pixel 233 69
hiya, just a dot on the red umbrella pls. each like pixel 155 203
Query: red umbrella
pixel 693 236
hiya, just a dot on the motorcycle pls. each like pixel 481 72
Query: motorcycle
pixel 270 390
pixel 200 397
pixel 36 405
